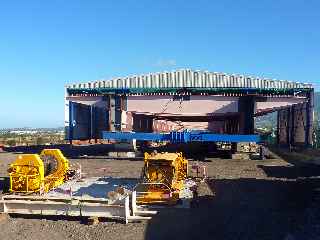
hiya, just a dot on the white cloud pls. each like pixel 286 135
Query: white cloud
pixel 165 63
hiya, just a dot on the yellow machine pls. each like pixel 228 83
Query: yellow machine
pixel 163 178
pixel 28 173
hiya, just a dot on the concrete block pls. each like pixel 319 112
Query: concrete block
pixel 3 217
pixel 240 156
pixel 122 154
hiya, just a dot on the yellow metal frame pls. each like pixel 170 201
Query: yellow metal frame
pixel 164 176
pixel 58 177
pixel 26 173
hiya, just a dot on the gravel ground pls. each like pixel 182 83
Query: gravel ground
pixel 241 199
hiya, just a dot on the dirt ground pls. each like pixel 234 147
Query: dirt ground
pixel 241 199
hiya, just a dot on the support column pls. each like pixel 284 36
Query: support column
pixel 246 108
pixel 284 127
pixel 292 126
pixel 303 125
pixel 288 126
pixel 112 115
pixel 309 119
pixel 295 124
pixel 117 104
pixel 71 122
pixel 278 128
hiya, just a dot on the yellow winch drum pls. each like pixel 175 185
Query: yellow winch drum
pixel 27 172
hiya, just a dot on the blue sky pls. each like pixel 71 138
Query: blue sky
pixel 47 44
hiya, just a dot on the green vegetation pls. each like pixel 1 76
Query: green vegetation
pixel 33 137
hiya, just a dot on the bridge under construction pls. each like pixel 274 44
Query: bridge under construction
pixel 187 100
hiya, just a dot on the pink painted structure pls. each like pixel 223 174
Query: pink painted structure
pixel 195 106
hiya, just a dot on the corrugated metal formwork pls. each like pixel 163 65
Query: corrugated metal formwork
pixel 187 78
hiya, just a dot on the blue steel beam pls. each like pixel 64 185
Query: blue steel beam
pixel 181 137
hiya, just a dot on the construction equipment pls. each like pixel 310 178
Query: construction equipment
pixel 163 177
pixel 29 173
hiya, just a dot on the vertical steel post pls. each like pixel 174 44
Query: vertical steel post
pixel 91 121
pixel 112 113
pixel 293 128
pixel 288 126
pixel 278 127
pixel 309 119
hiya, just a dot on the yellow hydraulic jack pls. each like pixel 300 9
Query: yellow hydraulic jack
pixel 27 172
pixel 163 177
